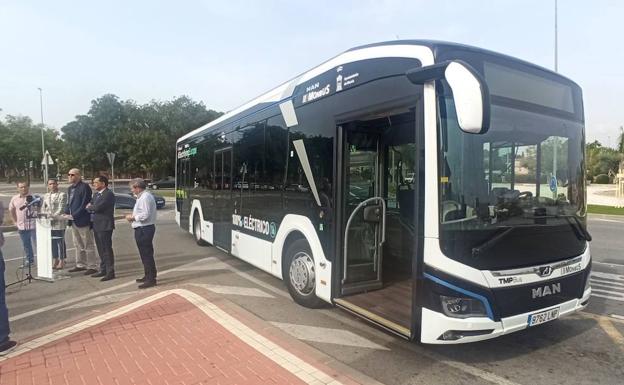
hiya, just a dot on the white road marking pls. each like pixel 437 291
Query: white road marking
pixel 100 300
pixel 597 293
pixel 327 336
pixel 616 277
pixel 235 290
pixel 609 264
pixel 304 371
pixel 606 220
pixel 80 298
pixel 607 285
pixel 485 375
pixel 206 264
pixel 603 282
pixel 616 316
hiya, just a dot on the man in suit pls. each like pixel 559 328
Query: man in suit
pixel 78 197
pixel 103 209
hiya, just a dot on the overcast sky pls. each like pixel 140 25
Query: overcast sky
pixel 225 53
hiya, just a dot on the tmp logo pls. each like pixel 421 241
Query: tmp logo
pixel 547 290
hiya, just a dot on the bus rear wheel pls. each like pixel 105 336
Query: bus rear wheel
pixel 197 231
pixel 300 274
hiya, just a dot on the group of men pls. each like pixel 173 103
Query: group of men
pixel 91 217
pixel 90 214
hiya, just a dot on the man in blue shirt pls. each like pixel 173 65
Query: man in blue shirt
pixel 143 219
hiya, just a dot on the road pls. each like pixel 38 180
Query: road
pixel 584 348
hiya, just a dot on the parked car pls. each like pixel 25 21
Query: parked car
pixel 125 200
pixel 168 182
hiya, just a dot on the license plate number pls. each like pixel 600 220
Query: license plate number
pixel 544 316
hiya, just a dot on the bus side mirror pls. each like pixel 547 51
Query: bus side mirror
pixel 470 92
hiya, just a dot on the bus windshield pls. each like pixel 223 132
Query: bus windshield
pixel 514 196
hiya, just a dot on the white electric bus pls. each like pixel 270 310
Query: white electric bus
pixel 434 189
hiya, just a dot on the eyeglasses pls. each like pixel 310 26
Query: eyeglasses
pixel 71 174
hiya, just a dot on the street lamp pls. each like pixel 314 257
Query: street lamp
pixel 43 157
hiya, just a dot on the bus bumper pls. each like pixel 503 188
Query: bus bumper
pixel 440 329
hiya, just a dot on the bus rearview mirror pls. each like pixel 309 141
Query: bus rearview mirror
pixel 470 92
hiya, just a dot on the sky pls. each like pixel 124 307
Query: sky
pixel 225 53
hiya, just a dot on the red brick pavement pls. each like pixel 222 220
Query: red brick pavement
pixel 167 341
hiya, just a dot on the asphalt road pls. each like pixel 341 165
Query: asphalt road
pixel 584 348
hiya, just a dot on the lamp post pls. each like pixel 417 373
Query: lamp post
pixel 43 157
pixel 556 45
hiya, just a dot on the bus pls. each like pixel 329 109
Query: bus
pixel 434 189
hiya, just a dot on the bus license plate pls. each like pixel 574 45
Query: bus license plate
pixel 542 317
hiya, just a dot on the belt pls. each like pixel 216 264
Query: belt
pixel 138 227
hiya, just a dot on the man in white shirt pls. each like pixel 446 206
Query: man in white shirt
pixel 143 220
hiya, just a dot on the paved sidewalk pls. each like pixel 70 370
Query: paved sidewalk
pixel 178 336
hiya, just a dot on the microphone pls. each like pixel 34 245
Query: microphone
pixel 33 201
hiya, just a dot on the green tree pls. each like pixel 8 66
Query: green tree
pixel 20 141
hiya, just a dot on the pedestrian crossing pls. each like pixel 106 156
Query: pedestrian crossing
pixel 607 285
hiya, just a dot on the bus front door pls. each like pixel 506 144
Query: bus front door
pixel 223 198
pixel 363 211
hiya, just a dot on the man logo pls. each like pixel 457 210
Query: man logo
pixel 546 290
pixel 544 271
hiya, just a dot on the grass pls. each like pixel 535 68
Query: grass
pixel 597 209
pixel 170 193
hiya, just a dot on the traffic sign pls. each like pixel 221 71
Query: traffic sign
pixel 47 159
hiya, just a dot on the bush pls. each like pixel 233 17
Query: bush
pixel 601 179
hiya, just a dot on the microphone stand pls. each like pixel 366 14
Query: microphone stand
pixel 30 214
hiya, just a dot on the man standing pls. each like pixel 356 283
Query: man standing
pixel 103 209
pixel 54 203
pixel 5 341
pixel 143 219
pixel 78 197
pixel 24 220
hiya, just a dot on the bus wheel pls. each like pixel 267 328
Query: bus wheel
pixel 301 275
pixel 197 231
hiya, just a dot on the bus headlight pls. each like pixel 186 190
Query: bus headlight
pixel 461 307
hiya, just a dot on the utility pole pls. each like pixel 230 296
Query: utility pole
pixel 556 48
pixel 43 152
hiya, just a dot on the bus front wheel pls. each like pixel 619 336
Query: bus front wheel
pixel 300 275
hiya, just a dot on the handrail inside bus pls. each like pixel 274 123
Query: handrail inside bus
pixel 346 237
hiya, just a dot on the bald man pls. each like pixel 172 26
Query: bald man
pixel 78 197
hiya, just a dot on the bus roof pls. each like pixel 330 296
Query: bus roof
pixel 284 91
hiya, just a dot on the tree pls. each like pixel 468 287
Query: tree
pixel 20 141
pixel 142 136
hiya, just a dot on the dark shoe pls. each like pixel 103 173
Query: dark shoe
pixel 140 280
pixel 108 277
pixel 98 275
pixel 7 345
pixel 76 269
pixel 147 284
pixel 90 271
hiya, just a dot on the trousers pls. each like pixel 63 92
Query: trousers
pixel 104 243
pixel 4 312
pixel 85 247
pixel 144 237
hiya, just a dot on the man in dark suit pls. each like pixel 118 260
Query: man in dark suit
pixel 78 197
pixel 103 209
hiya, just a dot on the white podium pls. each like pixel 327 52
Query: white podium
pixel 44 250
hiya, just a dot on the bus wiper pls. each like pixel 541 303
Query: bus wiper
pixel 490 242
pixel 575 223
